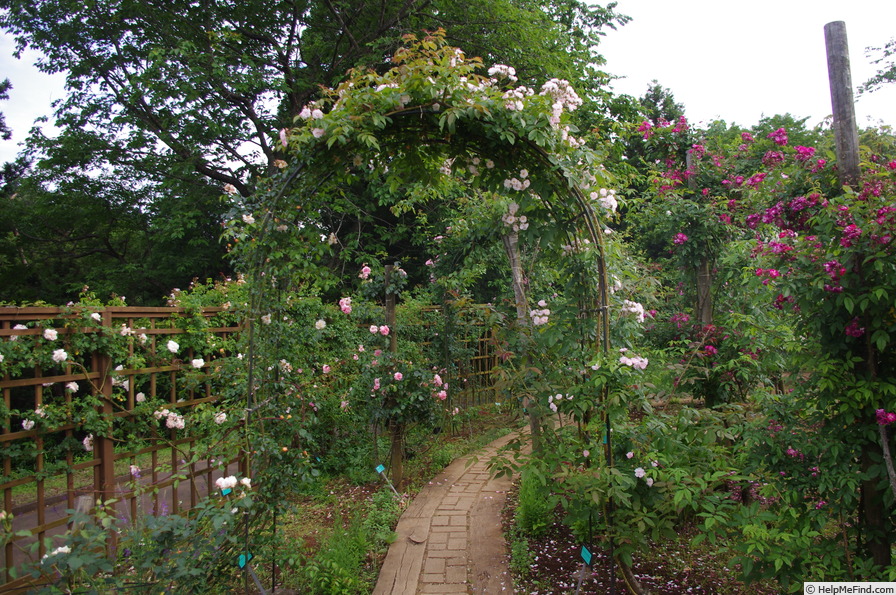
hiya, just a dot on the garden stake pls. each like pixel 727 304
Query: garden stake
pixel 586 561
pixel 382 471
pixel 274 556
pixel 248 569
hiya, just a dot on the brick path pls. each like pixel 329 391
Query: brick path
pixel 449 538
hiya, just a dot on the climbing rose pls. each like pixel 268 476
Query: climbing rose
pixel 175 421
pixel 639 472
pixel 679 239
pixel 320 324
pixel 853 329
pixel 59 356
pixel 197 363
pixel 779 136
pixel 173 346
pixel 637 362
pixel 804 153
pixel 885 418
pixel 225 483
pixel 384 330
pixel 50 334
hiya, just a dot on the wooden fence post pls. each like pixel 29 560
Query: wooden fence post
pixel 845 132
pixel 874 511
pixel 103 445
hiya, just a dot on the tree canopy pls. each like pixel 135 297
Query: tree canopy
pixel 169 101
pixel 886 72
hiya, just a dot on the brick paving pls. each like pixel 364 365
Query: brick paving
pixel 450 538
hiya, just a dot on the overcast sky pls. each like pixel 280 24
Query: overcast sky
pixel 727 59
pixel 738 60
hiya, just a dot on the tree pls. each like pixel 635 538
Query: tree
pixel 887 71
pixel 93 230
pixel 5 131
pixel 659 104
pixel 185 96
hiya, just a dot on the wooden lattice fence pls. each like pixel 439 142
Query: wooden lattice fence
pixel 48 469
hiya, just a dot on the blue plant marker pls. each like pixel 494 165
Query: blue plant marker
pixel 605 438
pixel 381 470
pixel 244 559
pixel 586 555
pixel 226 491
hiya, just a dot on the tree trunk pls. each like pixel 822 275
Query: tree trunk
pixel 512 247
pixel 396 454
pixel 874 514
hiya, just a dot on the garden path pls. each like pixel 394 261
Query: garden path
pixel 450 538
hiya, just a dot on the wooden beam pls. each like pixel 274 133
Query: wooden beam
pixel 845 131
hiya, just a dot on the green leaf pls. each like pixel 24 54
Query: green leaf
pixel 848 303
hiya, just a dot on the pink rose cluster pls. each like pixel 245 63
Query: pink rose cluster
pixel 779 136
pixel 440 390
pixel 885 418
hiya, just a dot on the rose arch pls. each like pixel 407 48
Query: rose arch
pixel 434 116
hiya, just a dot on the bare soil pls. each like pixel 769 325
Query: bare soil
pixel 555 566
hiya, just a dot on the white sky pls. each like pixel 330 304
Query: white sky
pixel 740 60
pixel 731 59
